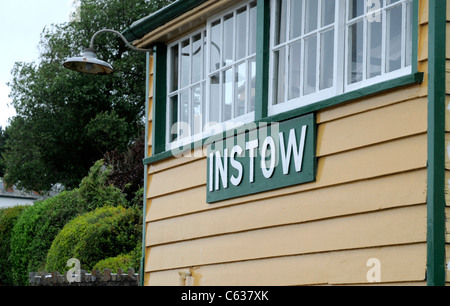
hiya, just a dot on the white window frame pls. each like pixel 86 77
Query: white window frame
pixel 211 128
pixel 340 69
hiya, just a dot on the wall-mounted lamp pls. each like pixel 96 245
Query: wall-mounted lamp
pixel 89 63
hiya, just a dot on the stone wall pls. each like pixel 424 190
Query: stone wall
pixel 96 278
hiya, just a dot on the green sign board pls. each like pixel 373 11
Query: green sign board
pixel 261 158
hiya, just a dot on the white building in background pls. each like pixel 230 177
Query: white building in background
pixel 12 196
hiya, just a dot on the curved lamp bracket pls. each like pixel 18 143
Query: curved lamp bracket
pixel 91 46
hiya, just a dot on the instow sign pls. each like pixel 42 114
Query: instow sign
pixel 268 157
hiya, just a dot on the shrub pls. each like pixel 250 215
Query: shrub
pixel 35 230
pixel 122 261
pixel 102 233
pixel 8 217
pixel 33 234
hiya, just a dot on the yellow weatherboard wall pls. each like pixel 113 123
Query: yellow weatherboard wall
pixel 368 202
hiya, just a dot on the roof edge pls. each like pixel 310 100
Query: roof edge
pixel 147 24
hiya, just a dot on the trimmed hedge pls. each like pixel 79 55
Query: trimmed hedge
pixel 38 225
pixel 8 217
pixel 97 235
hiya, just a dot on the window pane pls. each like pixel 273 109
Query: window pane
pixel 294 70
pixel 328 12
pixel 296 18
pixel 252 78
pixel 184 114
pixel 241 90
pixel 312 8
pixel 409 25
pixel 173 110
pixel 174 71
pixel 356 8
pixel 252 38
pixel 374 48
pixel 310 65
pixel 185 63
pixel 327 60
pixel 279 58
pixel 394 39
pixel 216 38
pixel 197 98
pixel 197 60
pixel 281 21
pixel 227 95
pixel 228 39
pixel 214 103
pixel 355 46
pixel 241 33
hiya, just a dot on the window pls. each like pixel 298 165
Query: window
pixel 211 76
pixel 321 48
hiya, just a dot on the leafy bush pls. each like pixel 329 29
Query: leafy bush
pixel 102 233
pixel 33 234
pixel 122 261
pixel 8 217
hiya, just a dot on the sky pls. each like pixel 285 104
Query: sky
pixel 21 23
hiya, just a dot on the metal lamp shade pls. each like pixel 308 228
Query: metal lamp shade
pixel 89 63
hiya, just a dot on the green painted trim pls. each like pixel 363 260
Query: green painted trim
pixel 159 98
pixel 262 59
pixel 341 99
pixel 144 205
pixel 436 144
pixel 147 24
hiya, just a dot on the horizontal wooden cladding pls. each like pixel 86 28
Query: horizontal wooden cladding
pixel 333 268
pixel 395 121
pixel 175 186
pixel 357 197
pixel 398 226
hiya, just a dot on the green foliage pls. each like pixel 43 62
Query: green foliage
pixel 61 127
pixel 8 217
pixel 102 233
pixel 122 261
pixel 36 228
pixel 3 138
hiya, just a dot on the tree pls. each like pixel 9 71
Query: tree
pixel 3 137
pixel 63 122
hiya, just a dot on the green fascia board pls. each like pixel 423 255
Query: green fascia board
pixel 147 24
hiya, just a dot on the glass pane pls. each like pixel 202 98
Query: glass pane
pixel 391 1
pixel 394 39
pixel 281 21
pixel 279 57
pixel 241 90
pixel 294 70
pixel 197 60
pixel 227 95
pixel 184 114
pixel 328 12
pixel 173 109
pixel 327 60
pixel 312 8
pixel 228 39
pixel 241 33
pixel 197 98
pixel 356 8
pixel 252 73
pixel 252 34
pixel 374 47
pixel 214 103
pixel 216 38
pixel 409 25
pixel 174 70
pixel 355 53
pixel 310 65
pixel 296 18
pixel 185 63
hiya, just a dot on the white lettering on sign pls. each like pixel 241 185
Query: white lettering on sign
pixel 219 162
